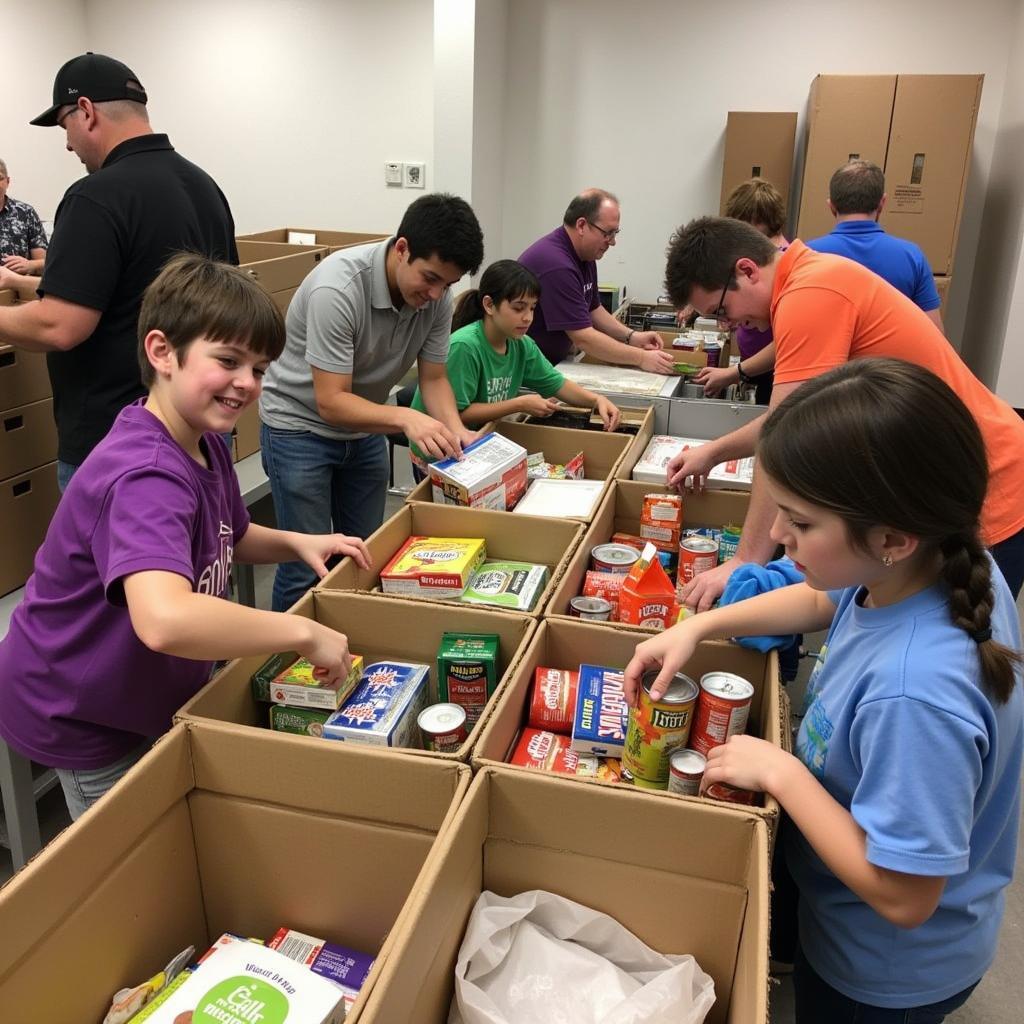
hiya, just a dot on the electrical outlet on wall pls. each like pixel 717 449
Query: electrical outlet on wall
pixel 393 172
pixel 415 175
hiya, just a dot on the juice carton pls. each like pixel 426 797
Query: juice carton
pixel 467 672
pixel 648 596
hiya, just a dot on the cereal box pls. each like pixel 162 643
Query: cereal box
pixel 737 474
pixel 545 750
pixel 648 596
pixel 467 671
pixel 300 721
pixel 383 708
pixel 599 724
pixel 297 687
pixel 490 474
pixel 433 567
pixel 344 967
pixel 514 585
pixel 553 699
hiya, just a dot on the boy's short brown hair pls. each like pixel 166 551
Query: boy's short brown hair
pixel 196 297
pixel 758 202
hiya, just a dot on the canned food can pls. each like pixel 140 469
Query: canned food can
pixel 443 727
pixel 656 728
pixel 723 791
pixel 696 555
pixel 722 710
pixel 553 699
pixel 595 608
pixel 685 770
pixel 613 557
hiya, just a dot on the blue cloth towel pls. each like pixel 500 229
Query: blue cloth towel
pixel 752 579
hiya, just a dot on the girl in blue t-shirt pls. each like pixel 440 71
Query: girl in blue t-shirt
pixel 904 788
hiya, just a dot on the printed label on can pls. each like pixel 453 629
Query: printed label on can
pixel 553 699
pixel 723 791
pixel 722 710
pixel 656 728
pixel 685 770
pixel 596 609
pixel 696 555
pixel 443 727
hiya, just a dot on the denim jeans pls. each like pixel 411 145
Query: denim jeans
pixel 1009 556
pixel 818 1002
pixel 65 471
pixel 83 787
pixel 322 486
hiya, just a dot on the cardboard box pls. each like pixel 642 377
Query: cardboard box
pixel 547 542
pixel 27 503
pixel 219 829
pixel 620 852
pixel 735 474
pixel 246 433
pixel 562 499
pixel 333 240
pixel 620 513
pixel 279 273
pixel 23 377
pixel 758 144
pixel 380 629
pixel 490 474
pixel 569 643
pixel 438 567
pixel 631 421
pixel 28 438
pixel 255 252
pixel 928 161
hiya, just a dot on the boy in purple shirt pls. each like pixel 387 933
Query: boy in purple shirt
pixel 125 614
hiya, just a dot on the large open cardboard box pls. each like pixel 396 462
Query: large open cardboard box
pixel 684 878
pixel 547 542
pixel 631 421
pixel 28 437
pixel 568 643
pixel 379 629
pixel 758 144
pixel 27 503
pixel 255 252
pixel 332 240
pixel 23 376
pixel 220 829
pixel 620 513
pixel 277 274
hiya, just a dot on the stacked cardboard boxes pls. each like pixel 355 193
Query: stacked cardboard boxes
pixel 758 144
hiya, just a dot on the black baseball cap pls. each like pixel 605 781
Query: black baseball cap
pixel 95 76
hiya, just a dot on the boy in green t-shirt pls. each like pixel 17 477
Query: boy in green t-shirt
pixel 490 357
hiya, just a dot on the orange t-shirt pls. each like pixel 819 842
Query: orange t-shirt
pixel 827 310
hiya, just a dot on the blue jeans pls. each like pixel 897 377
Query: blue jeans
pixel 817 1002
pixel 83 787
pixel 322 486
pixel 65 471
pixel 1009 556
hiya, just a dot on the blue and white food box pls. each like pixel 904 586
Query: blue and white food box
pixel 599 722
pixel 384 706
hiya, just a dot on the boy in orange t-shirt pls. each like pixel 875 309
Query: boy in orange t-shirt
pixel 825 310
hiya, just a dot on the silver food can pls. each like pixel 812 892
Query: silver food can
pixel 595 608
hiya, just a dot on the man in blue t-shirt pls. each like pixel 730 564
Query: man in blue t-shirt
pixel 856 199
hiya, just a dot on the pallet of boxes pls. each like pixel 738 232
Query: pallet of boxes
pixel 337 825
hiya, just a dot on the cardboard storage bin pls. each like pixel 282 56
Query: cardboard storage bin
pixel 758 144
pixel 620 513
pixel 255 252
pixel 547 542
pixel 23 376
pixel 332 240
pixel 27 503
pixel 682 877
pixel 569 643
pixel 282 275
pixel 28 438
pixel 220 829
pixel 379 630
pixel 631 421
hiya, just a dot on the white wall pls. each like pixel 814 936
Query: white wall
pixel 292 105
pixel 37 39
pixel 634 97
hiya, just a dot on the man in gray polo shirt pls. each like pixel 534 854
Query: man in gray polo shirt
pixel 355 325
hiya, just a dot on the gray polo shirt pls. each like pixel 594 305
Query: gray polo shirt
pixel 342 320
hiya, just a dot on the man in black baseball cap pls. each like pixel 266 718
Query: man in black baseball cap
pixel 96 77
pixel 140 203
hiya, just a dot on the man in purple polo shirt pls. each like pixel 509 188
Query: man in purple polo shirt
pixel 569 312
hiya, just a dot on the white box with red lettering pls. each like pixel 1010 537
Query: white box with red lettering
pixel 490 474
pixel 736 474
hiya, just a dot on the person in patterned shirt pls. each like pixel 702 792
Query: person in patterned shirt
pixel 22 238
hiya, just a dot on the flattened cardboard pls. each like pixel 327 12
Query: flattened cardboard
pixel 620 513
pixel 847 116
pixel 758 144
pixel 379 628
pixel 547 542
pixel 928 161
pixel 619 852
pixel 23 377
pixel 218 830
pixel 569 643
pixel 280 273
pixel 28 438
pixel 27 503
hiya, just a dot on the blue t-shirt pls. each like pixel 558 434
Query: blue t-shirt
pixel 898 261
pixel 898 730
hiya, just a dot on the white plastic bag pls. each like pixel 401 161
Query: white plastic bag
pixel 540 959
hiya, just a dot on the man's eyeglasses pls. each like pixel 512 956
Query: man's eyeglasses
pixel 608 233
pixel 63 117
pixel 719 313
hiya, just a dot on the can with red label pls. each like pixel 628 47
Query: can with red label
pixel 685 770
pixel 722 710
pixel 613 557
pixel 553 699
pixel 545 750
pixel 723 791
pixel 443 727
pixel 607 585
pixel 597 609
pixel 696 555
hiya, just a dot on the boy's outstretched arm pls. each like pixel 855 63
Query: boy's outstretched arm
pixel 262 545
pixel 170 618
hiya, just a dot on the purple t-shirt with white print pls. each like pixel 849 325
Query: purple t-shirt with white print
pixel 78 689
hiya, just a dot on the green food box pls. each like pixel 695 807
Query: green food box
pixel 467 671
pixel 264 675
pixel 515 585
pixel 304 721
